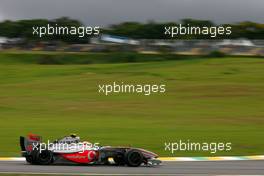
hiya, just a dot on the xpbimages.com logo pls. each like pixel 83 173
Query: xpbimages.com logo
pixel 211 147
pixel 145 89
pixel 79 31
pixel 65 147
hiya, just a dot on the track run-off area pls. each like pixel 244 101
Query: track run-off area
pixel 247 165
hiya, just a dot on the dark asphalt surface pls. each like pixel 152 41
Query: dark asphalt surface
pixel 168 168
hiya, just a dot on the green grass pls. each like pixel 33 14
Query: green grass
pixel 62 58
pixel 207 100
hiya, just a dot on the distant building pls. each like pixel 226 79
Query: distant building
pixel 3 40
pixel 9 42
pixel 114 40
pixel 243 42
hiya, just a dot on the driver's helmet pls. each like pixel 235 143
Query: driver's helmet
pixel 73 135
pixel 72 138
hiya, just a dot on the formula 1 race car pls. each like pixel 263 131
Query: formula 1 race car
pixel 71 149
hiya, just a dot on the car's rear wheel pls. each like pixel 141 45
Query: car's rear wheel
pixel 119 160
pixel 133 158
pixel 29 159
pixel 32 158
pixel 44 157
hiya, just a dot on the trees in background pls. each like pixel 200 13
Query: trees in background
pixel 136 30
pixel 24 29
pixel 152 30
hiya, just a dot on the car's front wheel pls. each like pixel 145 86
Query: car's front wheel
pixel 133 158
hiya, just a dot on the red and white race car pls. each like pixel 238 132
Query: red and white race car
pixel 71 149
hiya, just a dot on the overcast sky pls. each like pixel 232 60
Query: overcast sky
pixel 104 12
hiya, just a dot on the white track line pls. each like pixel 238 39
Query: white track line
pixel 97 174
pixel 179 159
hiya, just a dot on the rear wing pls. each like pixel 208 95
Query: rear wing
pixel 27 143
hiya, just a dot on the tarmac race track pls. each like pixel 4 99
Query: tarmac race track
pixel 167 168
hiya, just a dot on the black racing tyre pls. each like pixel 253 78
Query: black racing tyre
pixel 105 161
pixel 44 157
pixel 119 160
pixel 29 159
pixel 133 158
pixel 33 157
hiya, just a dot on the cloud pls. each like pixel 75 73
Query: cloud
pixel 101 12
